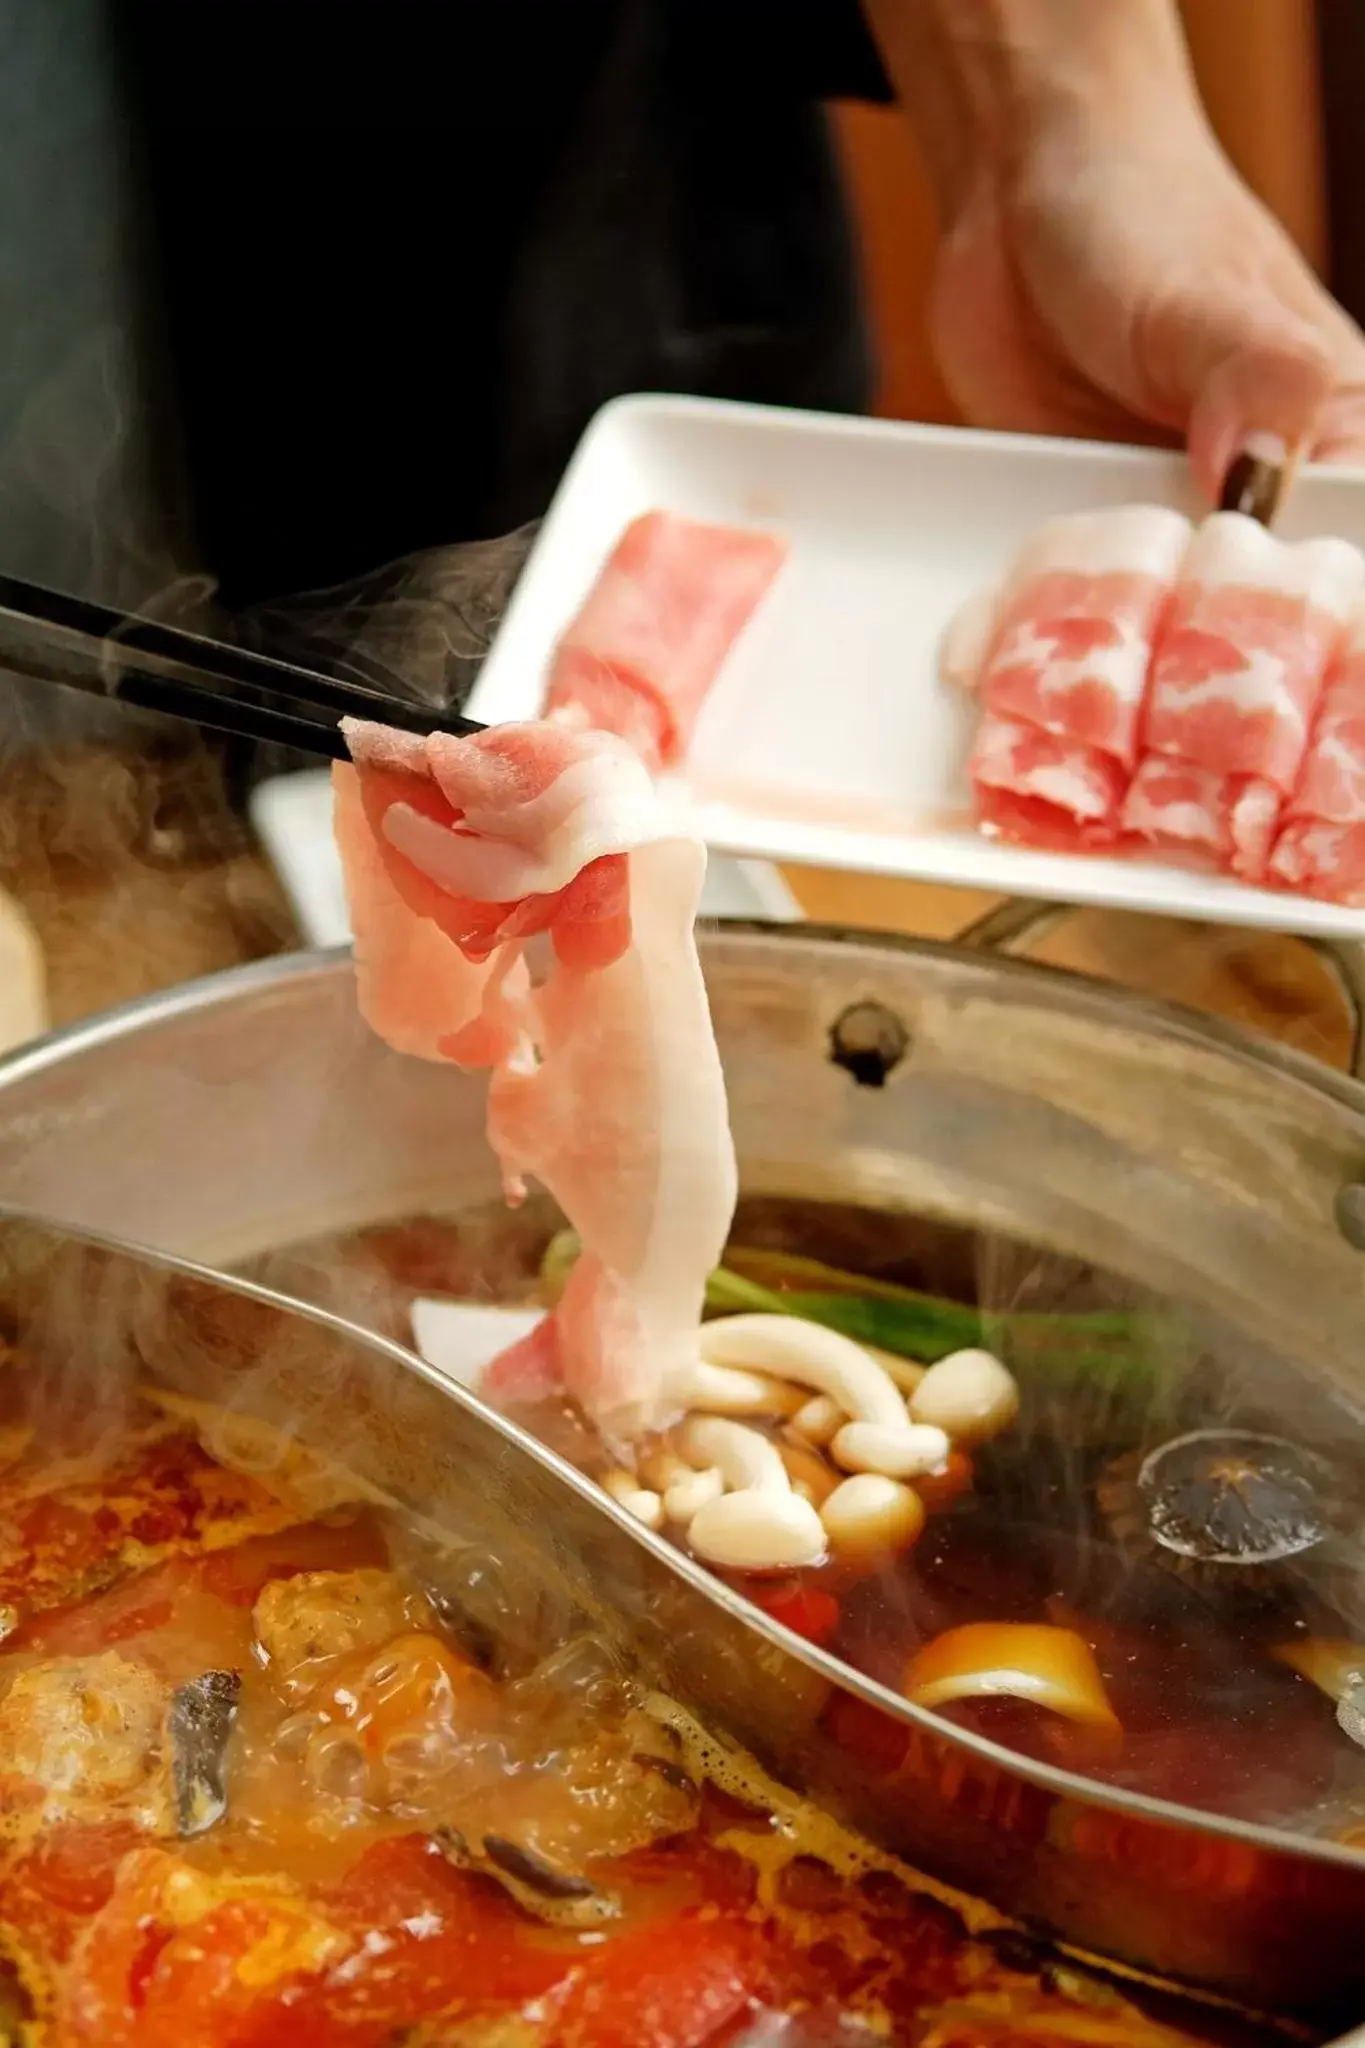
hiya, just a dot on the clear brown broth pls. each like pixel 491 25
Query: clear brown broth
pixel 1209 1717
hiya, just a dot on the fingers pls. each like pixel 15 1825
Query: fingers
pixel 1341 430
pixel 1259 385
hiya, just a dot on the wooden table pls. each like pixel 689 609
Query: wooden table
pixel 137 875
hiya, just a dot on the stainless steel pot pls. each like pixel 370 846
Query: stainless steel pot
pixel 241 1113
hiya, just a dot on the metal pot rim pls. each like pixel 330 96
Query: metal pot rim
pixel 1076 993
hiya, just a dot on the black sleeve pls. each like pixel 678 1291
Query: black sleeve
pixel 817 49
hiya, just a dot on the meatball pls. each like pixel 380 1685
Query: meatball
pixel 90 1726
pixel 302 1620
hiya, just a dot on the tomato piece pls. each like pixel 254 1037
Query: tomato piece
pixel 807 1611
pixel 130 1609
pixel 170 1961
pixel 665 1985
pixel 74 1867
pixel 217 1983
pixel 694 1868
pixel 49 1893
pixel 450 1936
pixel 69 1538
pixel 179 1959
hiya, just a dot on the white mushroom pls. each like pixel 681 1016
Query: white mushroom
pixel 869 1516
pixel 807 1470
pixel 682 1487
pixel 843 1370
pixel 744 1458
pixel 660 1467
pixel 686 1497
pixel 906 1453
pixel 760 1525
pixel 757 1531
pixel 818 1420
pixel 970 1394
pixel 905 1373
pixel 637 1500
pixel 724 1390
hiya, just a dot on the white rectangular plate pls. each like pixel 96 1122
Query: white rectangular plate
pixel 293 816
pixel 829 740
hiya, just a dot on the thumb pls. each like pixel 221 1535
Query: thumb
pixel 1255 380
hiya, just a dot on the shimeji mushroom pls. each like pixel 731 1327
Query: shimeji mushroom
pixel 870 1516
pixel 660 1467
pixel 807 1470
pixel 880 1435
pixel 968 1394
pixel 640 1501
pixel 725 1390
pixel 760 1524
pixel 686 1497
pixel 905 1373
pixel 819 1420
pixel 684 1488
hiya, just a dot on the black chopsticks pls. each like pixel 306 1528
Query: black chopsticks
pixel 52 638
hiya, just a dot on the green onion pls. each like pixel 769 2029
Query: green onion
pixel 1109 1353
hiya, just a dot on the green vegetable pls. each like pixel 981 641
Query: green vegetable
pixel 1105 1355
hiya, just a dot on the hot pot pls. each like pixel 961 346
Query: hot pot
pixel 1007 1103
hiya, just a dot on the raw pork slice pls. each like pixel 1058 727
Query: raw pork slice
pixel 605 1080
pixel 1321 847
pixel 1236 678
pixel 1063 656
pixel 656 628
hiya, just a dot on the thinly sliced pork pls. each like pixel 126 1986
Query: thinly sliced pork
pixel 605 1080
pixel 1062 671
pixel 657 627
pixel 1237 674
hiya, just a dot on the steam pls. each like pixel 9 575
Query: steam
pixel 121 836
pixel 99 804
pixel 417 628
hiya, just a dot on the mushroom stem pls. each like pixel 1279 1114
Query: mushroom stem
pixel 724 1390
pixel 867 1517
pixel 818 1420
pixel 879 1437
pixel 817 1357
pixel 744 1459
pixel 686 1497
pixel 756 1530
pixel 905 1453
pixel 760 1524
pixel 637 1500
pixel 660 1467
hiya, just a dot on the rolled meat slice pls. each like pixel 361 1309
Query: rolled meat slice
pixel 1238 671
pixel 606 1085
pixel 1321 846
pixel 656 628
pixel 1066 657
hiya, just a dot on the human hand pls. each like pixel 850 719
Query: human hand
pixel 1117 279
